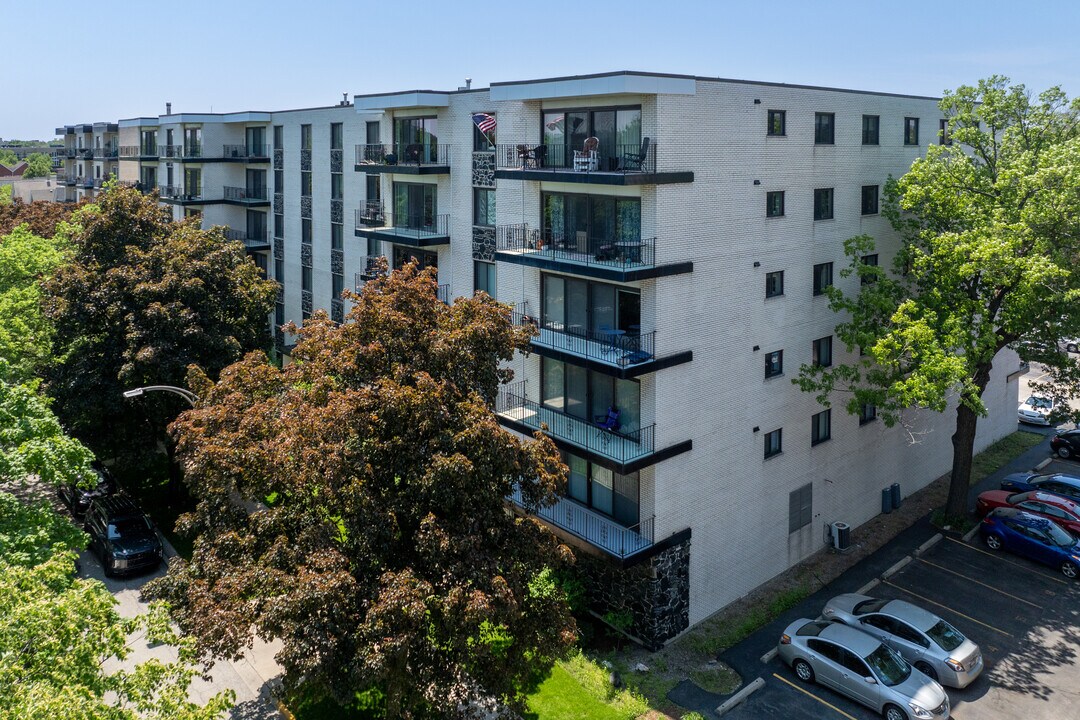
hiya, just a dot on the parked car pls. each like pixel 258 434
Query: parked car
pixel 1070 345
pixel 859 666
pixel 78 498
pixel 1033 537
pixel 1061 510
pixel 932 645
pixel 1036 410
pixel 122 536
pixel 1066 444
pixel 1056 483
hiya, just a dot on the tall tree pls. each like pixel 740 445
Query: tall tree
pixel 990 258
pixel 142 299
pixel 42 217
pixel 38 165
pixel 353 505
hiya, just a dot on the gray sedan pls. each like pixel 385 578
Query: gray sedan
pixel 926 641
pixel 857 665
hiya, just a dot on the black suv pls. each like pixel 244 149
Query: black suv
pixel 78 498
pixel 122 536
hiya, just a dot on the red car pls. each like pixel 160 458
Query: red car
pixel 1063 511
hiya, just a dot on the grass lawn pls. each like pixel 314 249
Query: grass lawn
pixel 561 697
pixel 997 455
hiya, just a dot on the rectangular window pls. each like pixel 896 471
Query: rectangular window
pixel 305 183
pixel 821 427
pixel 822 277
pixel 867 413
pixel 279 225
pixel 279 181
pixel 872 261
pixel 869 199
pixel 777 124
pixel 484 140
pixel 193 182
pixel 371 132
pixel 774 283
pixel 335 136
pixel 943 132
pixel 911 131
pixel 774 443
pixel 305 278
pixel 484 277
pixel 336 186
pixel 824 128
pixel 305 231
pixel 871 124
pixel 336 235
pixel 279 315
pixel 279 274
pixel 774 204
pixel 279 135
pixel 305 137
pixel 823 204
pixel 337 287
pixel 484 207
pixel 822 352
pixel 371 188
pixel 774 364
pixel 800 507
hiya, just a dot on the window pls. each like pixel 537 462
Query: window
pixel 371 188
pixel 822 277
pixel 484 141
pixel 305 230
pixel 774 204
pixel 418 135
pixel 821 427
pixel 777 123
pixel 614 495
pixel 336 236
pixel 867 413
pixel 484 277
pixel 774 364
pixel 943 132
pixel 279 181
pixel 579 307
pixel 800 507
pixel 335 136
pixel 193 182
pixel 774 443
pixel 774 283
pixel 590 223
pixel 911 131
pixel 573 390
pixel 823 204
pixel 337 285
pixel 279 225
pixel 305 183
pixel 871 124
pixel 484 207
pixel 871 261
pixel 371 132
pixel 305 278
pixel 305 137
pixel 279 141
pixel 822 352
pixel 869 199
pixel 824 128
pixel 617 128
pixel 336 185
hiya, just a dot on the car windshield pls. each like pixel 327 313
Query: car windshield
pixel 868 606
pixel 1016 498
pixel 1039 403
pixel 890 668
pixel 1060 536
pixel 127 526
pixel 945 635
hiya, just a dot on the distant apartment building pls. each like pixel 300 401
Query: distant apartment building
pixel 87 160
pixel 669 237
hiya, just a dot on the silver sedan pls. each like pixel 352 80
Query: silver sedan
pixel 926 641
pixel 857 665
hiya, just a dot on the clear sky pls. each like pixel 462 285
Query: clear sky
pixel 112 59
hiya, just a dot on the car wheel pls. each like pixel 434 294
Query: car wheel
pixel 106 567
pixel 926 670
pixel 1064 452
pixel 1072 347
pixel 893 712
pixel 803 671
pixel 1069 569
pixel 993 542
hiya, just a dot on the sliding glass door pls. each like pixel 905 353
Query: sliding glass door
pixel 587 394
pixel 416 134
pixel 414 206
pixel 618 131
pixel 583 307
pixel 589 223
pixel 607 492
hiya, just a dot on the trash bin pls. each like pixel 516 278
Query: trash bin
pixel 895 491
pixel 886 500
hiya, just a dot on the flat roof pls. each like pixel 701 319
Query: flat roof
pixel 617 83
pixel 236 117
pixel 401 100
pixel 138 122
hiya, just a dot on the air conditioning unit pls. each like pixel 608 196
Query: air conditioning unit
pixel 838 534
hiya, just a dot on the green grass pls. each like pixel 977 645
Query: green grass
pixel 713 640
pixel 1000 453
pixel 565 697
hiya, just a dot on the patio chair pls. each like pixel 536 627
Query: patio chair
pixel 414 153
pixel 608 423
pixel 635 162
pixel 587 158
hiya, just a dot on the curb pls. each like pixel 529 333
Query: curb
pixel 971 533
pixel 740 696
pixel 767 657
pixel 895 568
pixel 928 544
pixel 868 587
pixel 1044 463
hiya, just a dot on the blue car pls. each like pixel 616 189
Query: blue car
pixel 1034 537
pixel 1058 484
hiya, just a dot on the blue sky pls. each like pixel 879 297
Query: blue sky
pixel 117 58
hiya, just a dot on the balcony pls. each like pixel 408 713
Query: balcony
pixel 137 152
pixel 70 152
pixel 86 182
pixel 598 530
pixel 252 242
pixel 66 180
pixel 415 230
pixel 370 269
pixel 181 153
pixel 405 158
pixel 179 196
pixel 248 196
pixel 442 293
pixel 108 152
pixel 624 451
pixel 370 214
pixel 245 153
pixel 85 153
pixel 621 165
pixel 622 260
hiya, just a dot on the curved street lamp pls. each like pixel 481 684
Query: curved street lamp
pixel 186 394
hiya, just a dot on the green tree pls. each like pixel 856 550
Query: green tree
pixel 38 165
pixel 6 193
pixel 990 229
pixel 352 505
pixel 58 632
pixel 142 298
pixel 8 157
pixel 41 217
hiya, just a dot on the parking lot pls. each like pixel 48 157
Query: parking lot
pixel 1023 615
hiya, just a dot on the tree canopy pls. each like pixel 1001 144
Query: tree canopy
pixel 38 165
pixel 990 230
pixel 41 217
pixel 353 505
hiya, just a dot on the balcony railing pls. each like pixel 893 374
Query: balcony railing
pixel 246 152
pixel 66 179
pixel 87 182
pixel 70 152
pixel 612 346
pixel 415 227
pixel 443 294
pixel 403 154
pixel 105 153
pixel 175 192
pixel 180 152
pixel 257 240
pixel 246 194
pixel 86 153
pixel 625 445
pixel 136 151
pixel 632 158
pixel 369 269
pixel 581 248
pixel 598 530
pixel 370 214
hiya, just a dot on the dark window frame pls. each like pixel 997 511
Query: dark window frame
pixel 820 281
pixel 774 443
pixel 477 214
pixel 821 427
pixel 911 131
pixel 871 129
pixel 867 413
pixel 822 350
pixel 774 364
pixel 476 275
pixel 770 210
pixel 481 142
pixel 872 261
pixel 774 284
pixel 800 507
pixel 943 132
pixel 824 207
pixel 824 132
pixel 871 201
pixel 771 126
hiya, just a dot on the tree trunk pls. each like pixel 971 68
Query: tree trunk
pixel 963 441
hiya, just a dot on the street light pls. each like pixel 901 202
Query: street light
pixel 186 394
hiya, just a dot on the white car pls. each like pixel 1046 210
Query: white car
pixel 1035 410
pixel 1071 345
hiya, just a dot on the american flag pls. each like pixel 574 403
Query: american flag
pixel 484 122
pixel 555 123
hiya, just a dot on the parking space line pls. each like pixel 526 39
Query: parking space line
pixel 823 702
pixel 1002 558
pixel 973 580
pixel 934 602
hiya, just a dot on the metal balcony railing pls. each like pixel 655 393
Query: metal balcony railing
pixel 181 152
pixel 598 530
pixel 106 152
pixel 246 152
pixel 370 268
pixel 370 214
pixel 250 240
pixel 175 192
pixel 613 346
pixel 70 152
pixel 614 158
pixel 66 179
pixel 624 445
pixel 403 154
pixel 418 227
pixel 443 294
pixel 627 252
pixel 246 194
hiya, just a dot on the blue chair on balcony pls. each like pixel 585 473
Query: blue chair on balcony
pixel 607 424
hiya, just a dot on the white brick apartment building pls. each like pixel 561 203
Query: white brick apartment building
pixel 89 157
pixel 673 273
